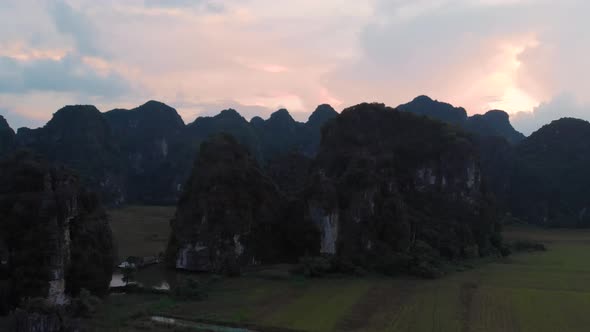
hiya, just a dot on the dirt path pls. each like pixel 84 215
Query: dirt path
pixel 387 296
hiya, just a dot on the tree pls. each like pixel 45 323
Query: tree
pixel 129 274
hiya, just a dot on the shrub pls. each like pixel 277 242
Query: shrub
pixel 84 305
pixel 314 267
pixel 190 289
pixel 527 245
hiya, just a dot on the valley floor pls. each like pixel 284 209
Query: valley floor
pixel 537 292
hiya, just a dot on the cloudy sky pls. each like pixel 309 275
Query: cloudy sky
pixel 528 57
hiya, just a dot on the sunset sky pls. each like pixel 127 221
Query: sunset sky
pixel 530 58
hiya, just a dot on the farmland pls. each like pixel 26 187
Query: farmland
pixel 140 230
pixel 542 291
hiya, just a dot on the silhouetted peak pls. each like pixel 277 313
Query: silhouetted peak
pixel 154 104
pixel 77 109
pixel 281 115
pixel 257 121
pixel 160 112
pixel 425 105
pixel 564 127
pixel 4 124
pixel 423 99
pixel 322 114
pixel 77 114
pixel 494 123
pixel 230 113
pixel 569 122
pixel 6 136
pixel 22 131
pixel 365 108
pixel 497 115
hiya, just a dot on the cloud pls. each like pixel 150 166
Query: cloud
pixel 77 25
pixel 480 54
pixel 69 74
pixel 207 5
pixel 458 51
pixel 461 51
pixel 562 106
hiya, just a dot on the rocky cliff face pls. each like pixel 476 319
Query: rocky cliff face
pixel 229 213
pixel 392 185
pixel 6 136
pixel 151 142
pixel 50 230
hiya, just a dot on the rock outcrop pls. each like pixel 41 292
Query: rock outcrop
pixel 494 124
pixel 322 114
pixel 391 190
pixel 281 134
pixel 151 140
pixel 229 214
pixel 424 105
pixel 491 124
pixel 6 137
pixel 550 184
pixel 144 155
pixel 54 236
pixel 80 138
pixel 227 122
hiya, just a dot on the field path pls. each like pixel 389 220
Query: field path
pixel 387 296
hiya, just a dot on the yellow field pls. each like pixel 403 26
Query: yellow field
pixel 140 230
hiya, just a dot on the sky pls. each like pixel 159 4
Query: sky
pixel 530 58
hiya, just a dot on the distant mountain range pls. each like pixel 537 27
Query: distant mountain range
pixel 492 124
pixel 144 155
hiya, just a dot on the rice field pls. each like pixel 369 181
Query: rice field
pixel 140 230
pixel 537 292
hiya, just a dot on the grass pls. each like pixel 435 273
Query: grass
pixel 141 230
pixel 541 292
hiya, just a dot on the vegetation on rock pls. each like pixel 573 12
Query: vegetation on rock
pixel 396 192
pixel 230 214
pixel 54 236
